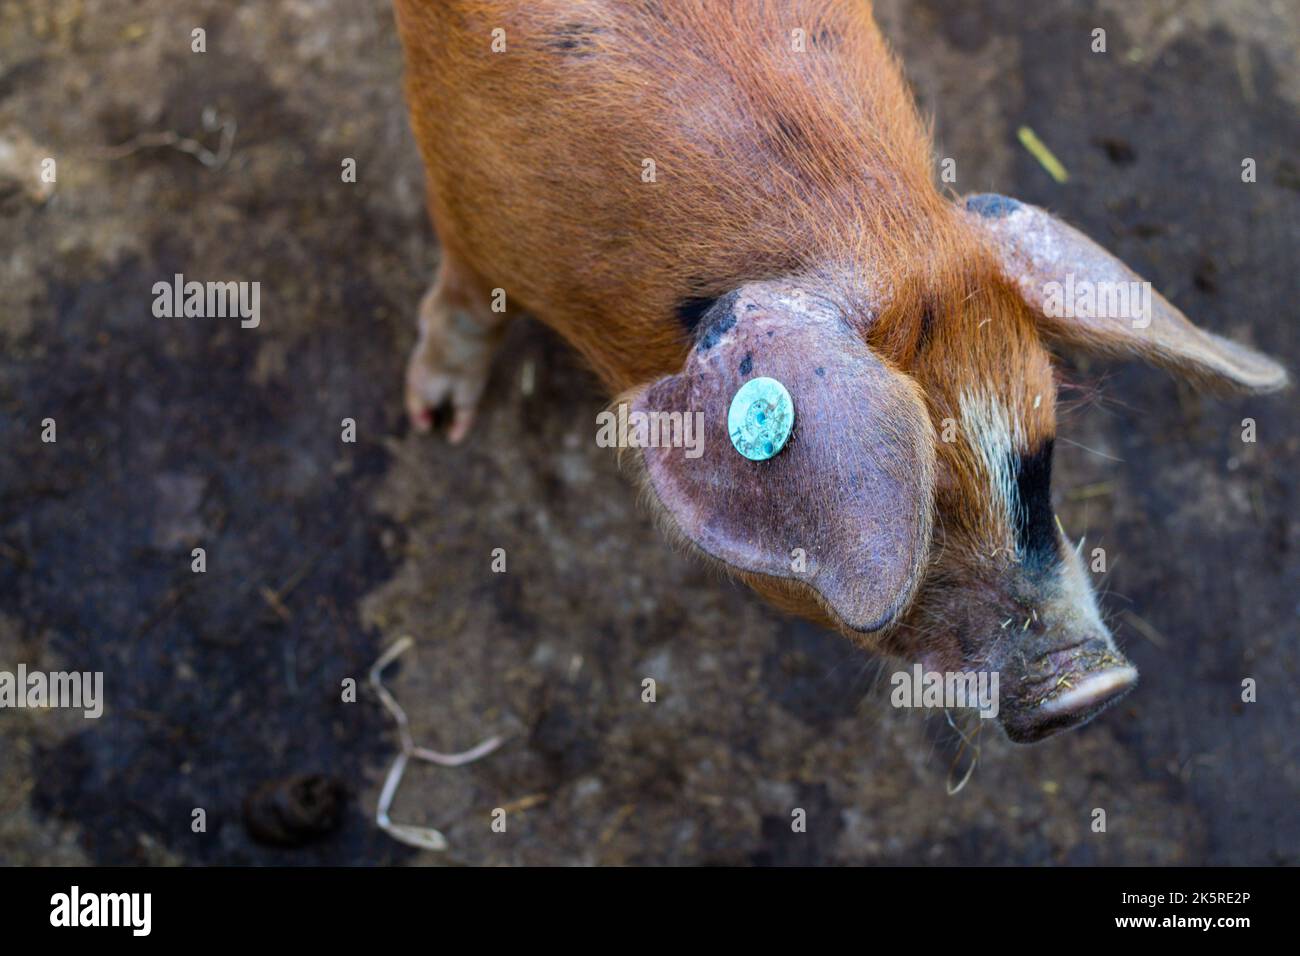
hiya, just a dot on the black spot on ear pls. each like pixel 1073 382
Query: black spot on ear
pixel 715 332
pixel 747 364
pixel 1035 520
pixel 991 205
pixel 716 320
pixel 821 372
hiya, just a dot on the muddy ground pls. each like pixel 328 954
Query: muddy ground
pixel 181 433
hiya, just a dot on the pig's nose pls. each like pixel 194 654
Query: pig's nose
pixel 1081 684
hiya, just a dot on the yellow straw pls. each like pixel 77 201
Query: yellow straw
pixel 1029 139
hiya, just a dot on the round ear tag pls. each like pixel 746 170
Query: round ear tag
pixel 760 419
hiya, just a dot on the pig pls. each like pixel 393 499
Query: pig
pixel 695 195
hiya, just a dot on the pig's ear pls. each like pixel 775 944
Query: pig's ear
pixel 843 511
pixel 1050 261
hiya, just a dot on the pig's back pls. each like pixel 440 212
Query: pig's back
pixel 619 158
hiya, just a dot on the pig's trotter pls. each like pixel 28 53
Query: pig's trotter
pixel 449 365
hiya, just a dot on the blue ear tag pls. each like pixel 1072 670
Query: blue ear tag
pixel 760 419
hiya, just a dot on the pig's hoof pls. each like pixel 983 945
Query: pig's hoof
pixel 448 368
pixel 432 387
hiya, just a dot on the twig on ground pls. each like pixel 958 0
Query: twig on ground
pixel 425 838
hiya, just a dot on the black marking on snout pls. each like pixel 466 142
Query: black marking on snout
pixel 1036 537
pixel 991 205
pixel 747 363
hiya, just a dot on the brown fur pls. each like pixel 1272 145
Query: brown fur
pixel 773 164
pixel 769 162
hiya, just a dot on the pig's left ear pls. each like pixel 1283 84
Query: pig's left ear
pixel 1049 260
pixel 842 512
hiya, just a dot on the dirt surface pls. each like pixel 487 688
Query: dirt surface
pixel 181 433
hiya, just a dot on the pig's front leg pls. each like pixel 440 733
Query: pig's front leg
pixel 459 334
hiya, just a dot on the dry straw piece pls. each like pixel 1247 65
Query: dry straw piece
pixel 1046 158
pixel 424 838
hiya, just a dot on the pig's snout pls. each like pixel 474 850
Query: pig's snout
pixel 1060 688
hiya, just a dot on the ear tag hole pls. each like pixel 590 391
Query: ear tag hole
pixel 760 419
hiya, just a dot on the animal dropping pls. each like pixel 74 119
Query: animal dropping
pixel 793 233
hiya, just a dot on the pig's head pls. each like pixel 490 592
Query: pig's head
pixel 911 507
